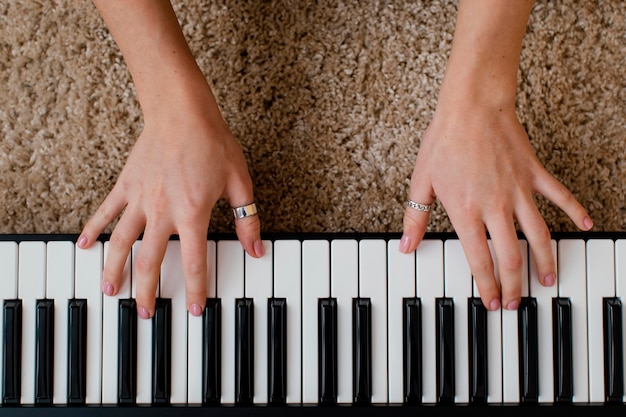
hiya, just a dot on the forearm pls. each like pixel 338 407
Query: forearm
pixel 485 53
pixel 155 50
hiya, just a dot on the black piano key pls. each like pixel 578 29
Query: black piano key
pixel 613 350
pixel 412 350
pixel 244 351
pixel 362 351
pixel 478 352
pixel 562 344
pixel 127 352
pixel 277 351
pixel 77 351
pixel 161 351
pixel 444 322
pixel 12 352
pixel 211 352
pixel 327 350
pixel 528 350
pixel 44 351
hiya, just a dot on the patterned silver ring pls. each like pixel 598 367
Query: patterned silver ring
pixel 245 211
pixel 418 206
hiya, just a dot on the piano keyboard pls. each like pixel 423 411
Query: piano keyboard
pixel 320 320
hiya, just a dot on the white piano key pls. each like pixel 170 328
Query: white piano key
pixel 429 286
pixel 510 337
pixel 600 283
pixel 144 342
pixel 400 284
pixel 258 286
pixel 544 296
pixel 494 342
pixel 110 332
pixel 194 335
pixel 572 284
pixel 87 285
pixel 620 290
pixel 60 288
pixel 344 284
pixel 31 287
pixel 172 286
pixel 458 286
pixel 288 284
pixel 230 286
pixel 373 285
pixel 315 285
pixel 8 289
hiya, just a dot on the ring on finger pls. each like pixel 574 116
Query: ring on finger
pixel 418 206
pixel 242 212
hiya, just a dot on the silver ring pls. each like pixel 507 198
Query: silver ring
pixel 418 206
pixel 245 211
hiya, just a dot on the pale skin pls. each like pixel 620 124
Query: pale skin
pixel 184 160
pixel 476 158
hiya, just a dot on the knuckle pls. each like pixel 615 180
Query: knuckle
pixel 145 265
pixel 482 267
pixel 195 268
pixel 119 239
pixel 512 262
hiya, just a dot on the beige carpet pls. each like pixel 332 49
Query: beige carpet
pixel 328 98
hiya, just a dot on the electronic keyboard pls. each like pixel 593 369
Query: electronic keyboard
pixel 341 321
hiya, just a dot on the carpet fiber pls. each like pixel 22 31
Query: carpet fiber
pixel 328 99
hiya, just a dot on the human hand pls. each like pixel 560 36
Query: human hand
pixel 479 163
pixel 185 159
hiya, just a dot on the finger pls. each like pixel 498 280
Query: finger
pixel 121 241
pixel 560 195
pixel 416 218
pixel 148 268
pixel 476 248
pixel 194 257
pixel 540 242
pixel 509 260
pixel 110 208
pixel 248 229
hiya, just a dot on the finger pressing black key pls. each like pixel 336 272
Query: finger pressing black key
pixel 562 350
pixel 77 351
pixel 361 351
pixel 244 351
pixel 327 350
pixel 211 352
pixel 127 352
pixel 162 351
pixel 412 350
pixel 528 350
pixel 44 351
pixel 277 351
pixel 12 352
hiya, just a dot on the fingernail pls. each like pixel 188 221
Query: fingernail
pixel 404 244
pixel 512 305
pixel 549 280
pixel 259 249
pixel 588 223
pixel 143 313
pixel 494 304
pixel 82 241
pixel 195 310
pixel 107 288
